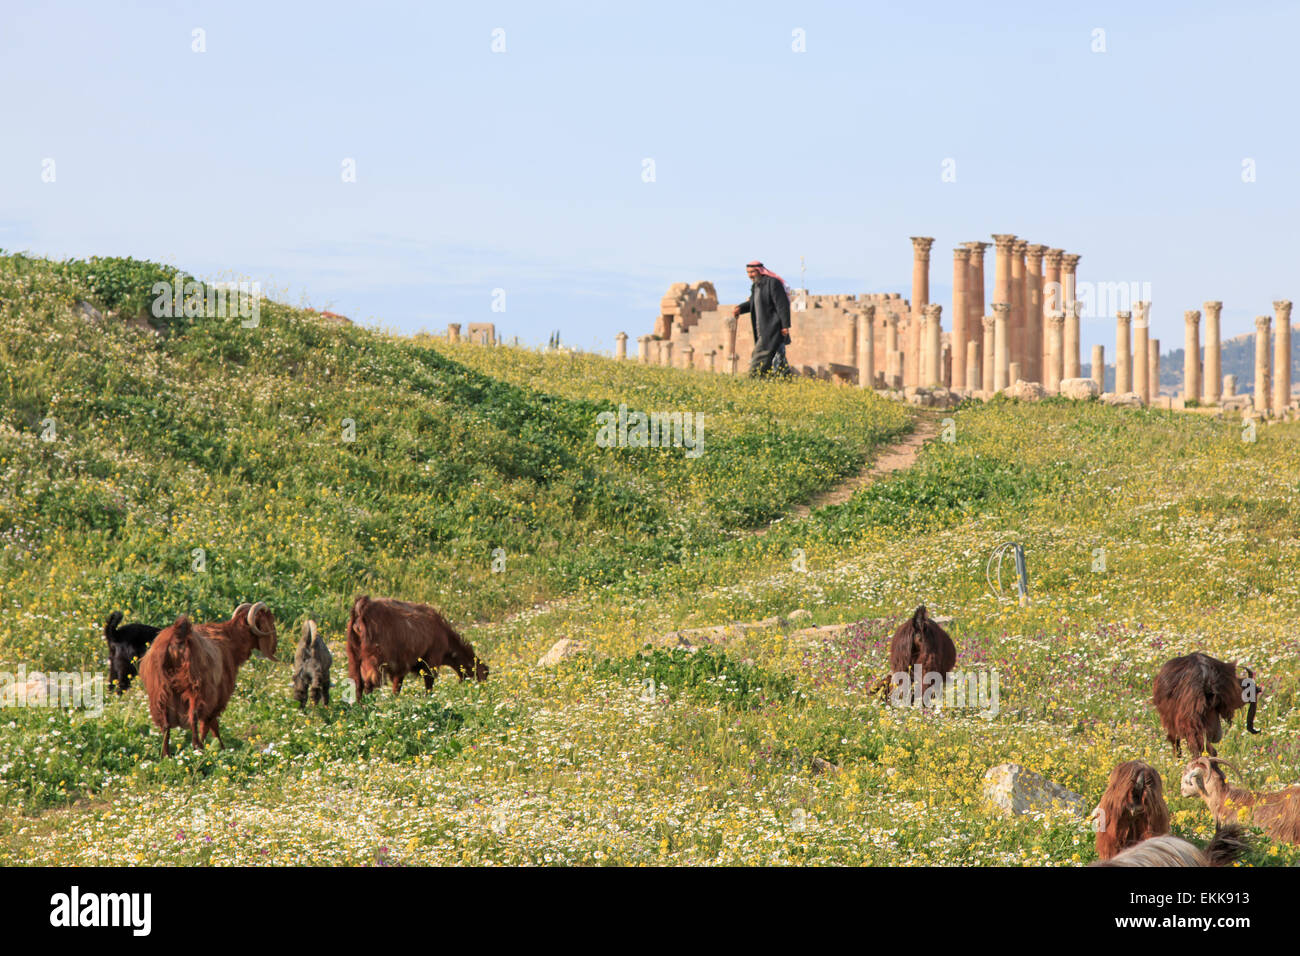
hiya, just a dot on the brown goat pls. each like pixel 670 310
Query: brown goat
pixel 919 645
pixel 1229 843
pixel 1194 693
pixel 189 672
pixel 397 637
pixel 1277 814
pixel 1132 809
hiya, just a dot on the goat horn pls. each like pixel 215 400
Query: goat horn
pixel 1226 763
pixel 243 607
pixel 252 619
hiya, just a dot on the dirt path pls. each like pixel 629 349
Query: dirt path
pixel 891 458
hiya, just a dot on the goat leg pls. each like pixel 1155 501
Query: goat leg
pixel 166 742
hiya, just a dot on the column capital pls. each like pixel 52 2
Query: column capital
pixel 1070 261
pixel 1123 318
pixel 1004 241
pixel 1056 321
pixel 1001 310
pixel 621 335
pixel 1212 309
pixel 1283 308
pixel 892 319
pixel 869 312
pixel 921 246
pixel 1019 246
pixel 977 249
pixel 1262 322
pixel 960 253
pixel 1053 257
pixel 1141 310
pixel 1192 316
pixel 933 311
pixel 988 322
pixel 1035 251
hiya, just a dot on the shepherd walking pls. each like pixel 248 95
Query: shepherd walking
pixel 769 316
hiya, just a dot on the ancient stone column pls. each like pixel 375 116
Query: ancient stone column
pixel 1192 356
pixel 1229 386
pixel 973 365
pixel 453 332
pixel 1034 313
pixel 1210 388
pixel 1055 352
pixel 1014 373
pixel 1068 265
pixel 1001 351
pixel 1053 300
pixel 893 367
pixel 666 353
pixel 688 355
pixel 1282 357
pixel 988 376
pixel 1003 245
pixel 733 360
pixel 731 335
pixel 1261 364
pixel 975 297
pixel 920 299
pixel 1019 303
pixel 1153 368
pixel 643 349
pixel 945 366
pixel 620 345
pixel 1123 354
pixel 867 348
pixel 1099 367
pixel 1141 343
pixel 933 356
pixel 960 313
pixel 713 360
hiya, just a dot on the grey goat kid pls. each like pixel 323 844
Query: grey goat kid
pixel 311 667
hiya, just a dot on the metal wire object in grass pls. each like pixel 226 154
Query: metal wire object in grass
pixel 994 569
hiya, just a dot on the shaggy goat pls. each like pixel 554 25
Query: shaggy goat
pixel 1193 693
pixel 189 672
pixel 398 637
pixel 1132 809
pixel 1229 843
pixel 1277 814
pixel 311 667
pixel 921 645
pixel 126 645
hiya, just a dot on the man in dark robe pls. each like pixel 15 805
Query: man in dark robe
pixel 769 316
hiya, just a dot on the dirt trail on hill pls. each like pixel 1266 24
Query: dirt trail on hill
pixel 901 454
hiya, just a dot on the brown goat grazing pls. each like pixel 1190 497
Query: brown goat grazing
pixel 919 647
pixel 1229 843
pixel 1193 693
pixel 311 667
pixel 1132 809
pixel 397 637
pixel 189 672
pixel 1277 814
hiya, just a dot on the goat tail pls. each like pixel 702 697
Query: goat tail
pixel 919 617
pixel 178 648
pixel 110 626
pixel 1230 843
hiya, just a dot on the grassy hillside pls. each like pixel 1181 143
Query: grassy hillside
pixel 203 437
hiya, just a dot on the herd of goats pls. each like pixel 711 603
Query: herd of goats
pixel 189 674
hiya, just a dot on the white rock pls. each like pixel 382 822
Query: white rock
pixel 1125 399
pixel 1012 789
pixel 1079 388
pixel 1025 391
pixel 561 650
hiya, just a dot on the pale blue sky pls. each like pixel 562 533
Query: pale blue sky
pixel 522 170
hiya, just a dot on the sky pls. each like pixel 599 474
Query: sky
pixel 558 166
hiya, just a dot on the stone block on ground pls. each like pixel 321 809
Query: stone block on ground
pixel 1014 790
pixel 1079 389
pixel 561 650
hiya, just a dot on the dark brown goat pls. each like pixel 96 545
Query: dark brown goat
pixel 919 647
pixel 1194 693
pixel 189 672
pixel 397 637
pixel 1132 809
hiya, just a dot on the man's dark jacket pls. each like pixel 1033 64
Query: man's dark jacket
pixel 769 310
